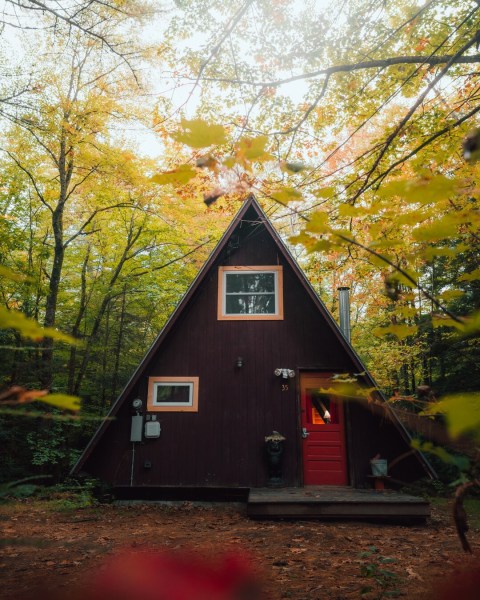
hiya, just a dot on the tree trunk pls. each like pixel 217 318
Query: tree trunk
pixel 131 240
pixel 65 171
pixel 103 394
pixel 404 374
pixel 16 359
pixel 46 374
pixel 118 348
pixel 412 376
pixel 426 375
pixel 78 321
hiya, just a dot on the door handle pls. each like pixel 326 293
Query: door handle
pixel 305 433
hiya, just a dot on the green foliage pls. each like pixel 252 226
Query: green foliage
pixel 471 505
pixel 69 495
pixel 9 274
pixel 22 488
pixel 253 149
pixel 462 463
pixel 287 194
pixel 400 331
pixel 433 488
pixel 382 582
pixel 48 444
pixel 462 413
pixel 198 134
pixel 178 176
pixel 72 494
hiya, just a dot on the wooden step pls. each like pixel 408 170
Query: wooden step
pixel 332 502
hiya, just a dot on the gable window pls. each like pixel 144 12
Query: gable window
pixel 172 394
pixel 250 293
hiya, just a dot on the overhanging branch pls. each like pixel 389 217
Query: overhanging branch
pixel 430 61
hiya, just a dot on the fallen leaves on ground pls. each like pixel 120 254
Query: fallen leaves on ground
pixel 296 559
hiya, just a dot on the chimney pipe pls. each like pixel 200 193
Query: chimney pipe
pixel 344 310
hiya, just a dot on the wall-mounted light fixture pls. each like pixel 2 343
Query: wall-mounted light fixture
pixel 239 362
pixel 285 373
pixel 137 404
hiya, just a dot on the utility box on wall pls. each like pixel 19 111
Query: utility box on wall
pixel 136 430
pixel 152 429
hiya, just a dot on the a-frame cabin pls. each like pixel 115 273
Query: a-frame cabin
pixel 196 412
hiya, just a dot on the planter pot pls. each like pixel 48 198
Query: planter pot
pixel 379 467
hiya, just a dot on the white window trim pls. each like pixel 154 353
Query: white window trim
pixel 222 277
pixel 155 382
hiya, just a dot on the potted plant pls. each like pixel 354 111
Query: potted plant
pixel 379 466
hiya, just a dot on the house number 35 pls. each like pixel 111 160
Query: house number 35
pixel 285 387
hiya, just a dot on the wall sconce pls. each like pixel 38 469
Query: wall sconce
pixel 285 373
pixel 137 405
pixel 239 362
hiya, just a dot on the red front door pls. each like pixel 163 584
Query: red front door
pixel 323 437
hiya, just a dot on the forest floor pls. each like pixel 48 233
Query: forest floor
pixel 48 548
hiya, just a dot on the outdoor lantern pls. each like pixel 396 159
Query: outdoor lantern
pixel 239 363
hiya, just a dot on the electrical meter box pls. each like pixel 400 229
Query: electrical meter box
pixel 152 429
pixel 136 430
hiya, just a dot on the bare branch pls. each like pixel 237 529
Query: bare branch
pixel 425 143
pixel 410 113
pixel 460 515
pixel 214 51
pixel 174 260
pixel 32 179
pixel 75 21
pixel 93 215
pixel 427 60
pixel 306 114
pixel 90 172
pixel 27 125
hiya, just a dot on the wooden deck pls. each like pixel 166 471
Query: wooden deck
pixel 331 502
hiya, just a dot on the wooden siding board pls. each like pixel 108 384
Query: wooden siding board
pixel 249 396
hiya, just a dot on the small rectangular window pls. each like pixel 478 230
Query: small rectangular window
pixel 173 394
pixel 250 293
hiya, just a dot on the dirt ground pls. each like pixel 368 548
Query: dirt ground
pixel 53 549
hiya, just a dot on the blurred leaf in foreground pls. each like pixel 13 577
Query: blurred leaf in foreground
pixel 462 413
pixel 28 328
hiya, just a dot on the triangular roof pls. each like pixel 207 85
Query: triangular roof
pixel 250 204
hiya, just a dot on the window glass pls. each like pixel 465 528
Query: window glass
pixel 172 394
pixel 167 394
pixel 258 283
pixel 250 305
pixel 321 409
pixel 253 292
pixel 250 293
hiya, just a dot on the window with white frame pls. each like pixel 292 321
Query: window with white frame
pixel 172 394
pixel 250 293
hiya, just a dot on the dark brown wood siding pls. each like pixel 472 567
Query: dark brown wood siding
pixel 223 443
